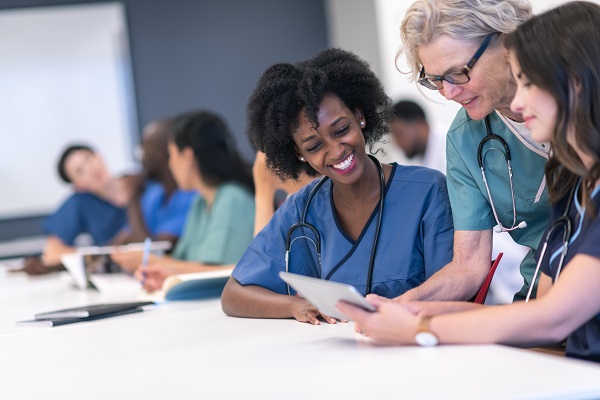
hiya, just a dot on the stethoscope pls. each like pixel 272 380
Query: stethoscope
pixel 480 160
pixel 564 222
pixel 317 237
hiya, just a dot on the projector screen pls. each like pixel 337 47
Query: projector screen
pixel 65 77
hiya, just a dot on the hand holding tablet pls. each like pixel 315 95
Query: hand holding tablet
pixel 326 294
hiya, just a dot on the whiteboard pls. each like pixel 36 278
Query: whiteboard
pixel 65 77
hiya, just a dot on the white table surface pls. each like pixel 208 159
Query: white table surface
pixel 192 350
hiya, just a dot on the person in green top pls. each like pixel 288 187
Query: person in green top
pixel 457 47
pixel 219 226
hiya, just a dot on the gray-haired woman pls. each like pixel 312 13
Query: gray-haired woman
pixel 456 47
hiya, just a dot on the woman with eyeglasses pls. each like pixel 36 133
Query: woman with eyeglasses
pixel 495 171
pixel 382 228
pixel 554 59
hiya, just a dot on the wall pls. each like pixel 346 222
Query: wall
pixel 189 54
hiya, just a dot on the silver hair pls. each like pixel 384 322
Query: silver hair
pixel 426 20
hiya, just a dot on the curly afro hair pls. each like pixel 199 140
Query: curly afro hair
pixel 285 90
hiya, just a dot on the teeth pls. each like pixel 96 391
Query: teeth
pixel 466 102
pixel 344 164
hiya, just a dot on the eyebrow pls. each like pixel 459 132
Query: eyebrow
pixel 311 137
pixel 308 139
pixel 336 121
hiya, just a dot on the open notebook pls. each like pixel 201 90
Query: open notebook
pixel 193 286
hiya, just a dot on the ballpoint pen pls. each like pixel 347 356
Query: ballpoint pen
pixel 147 243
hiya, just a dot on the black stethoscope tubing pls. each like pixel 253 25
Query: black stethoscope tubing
pixel 565 222
pixel 317 241
pixel 507 158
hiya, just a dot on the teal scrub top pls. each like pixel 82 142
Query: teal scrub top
pixel 221 234
pixel 471 207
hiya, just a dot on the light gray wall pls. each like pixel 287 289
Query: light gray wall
pixel 189 54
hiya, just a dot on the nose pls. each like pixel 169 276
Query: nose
pixel 450 91
pixel 517 104
pixel 335 149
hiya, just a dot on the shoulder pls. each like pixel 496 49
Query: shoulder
pixel 85 200
pixel 405 176
pixel 232 190
pixel 421 183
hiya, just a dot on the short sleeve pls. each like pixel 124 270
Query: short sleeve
pixel 438 229
pixel 265 257
pixel 66 223
pixel 471 211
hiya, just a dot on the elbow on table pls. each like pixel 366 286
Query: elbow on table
pixel 228 298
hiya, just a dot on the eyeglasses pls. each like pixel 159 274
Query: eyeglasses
pixel 436 82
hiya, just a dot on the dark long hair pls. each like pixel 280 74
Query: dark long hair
pixel 213 146
pixel 559 52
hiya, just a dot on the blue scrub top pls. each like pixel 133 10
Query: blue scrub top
pixel 415 241
pixel 165 217
pixel 584 342
pixel 86 213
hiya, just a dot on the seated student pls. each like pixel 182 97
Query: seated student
pixel 98 207
pixel 317 117
pixel 270 191
pixel 554 58
pixel 202 157
pixel 158 209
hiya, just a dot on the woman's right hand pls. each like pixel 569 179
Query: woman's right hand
pixel 303 311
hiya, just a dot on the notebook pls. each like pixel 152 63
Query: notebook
pixel 85 313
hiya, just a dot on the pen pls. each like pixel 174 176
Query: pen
pixel 145 256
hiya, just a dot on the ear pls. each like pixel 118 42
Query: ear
pixel 187 154
pixel 298 154
pixel 360 116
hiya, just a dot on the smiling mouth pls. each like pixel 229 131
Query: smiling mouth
pixel 344 164
pixel 465 102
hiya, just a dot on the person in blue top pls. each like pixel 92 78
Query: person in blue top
pixel 98 207
pixel 381 228
pixel 456 47
pixel 554 59
pixel 158 208
pixel 219 226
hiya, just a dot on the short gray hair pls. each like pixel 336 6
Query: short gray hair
pixel 426 20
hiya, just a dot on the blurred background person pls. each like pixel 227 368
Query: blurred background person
pixel 410 132
pixel 220 224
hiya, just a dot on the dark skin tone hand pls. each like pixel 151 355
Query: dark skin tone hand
pixel 33 265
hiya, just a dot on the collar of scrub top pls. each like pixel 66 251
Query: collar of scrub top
pixel 561 222
pixel 481 161
pixel 317 237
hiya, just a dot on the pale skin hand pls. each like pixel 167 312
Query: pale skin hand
pixel 159 268
pixel 257 302
pixel 462 277
pixel 53 249
pixel 560 309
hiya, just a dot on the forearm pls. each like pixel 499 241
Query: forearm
pixel 255 301
pixel 524 324
pixel 264 208
pixel 54 249
pixel 175 266
pixel 138 230
pixel 462 277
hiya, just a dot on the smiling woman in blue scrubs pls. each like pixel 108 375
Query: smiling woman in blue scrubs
pixel 318 117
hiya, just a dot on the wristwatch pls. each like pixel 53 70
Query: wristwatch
pixel 424 336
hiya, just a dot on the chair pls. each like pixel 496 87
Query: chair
pixel 485 287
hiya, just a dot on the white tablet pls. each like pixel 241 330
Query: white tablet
pixel 326 294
